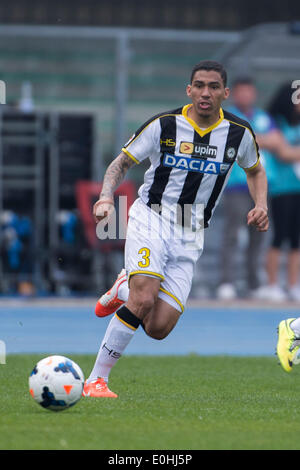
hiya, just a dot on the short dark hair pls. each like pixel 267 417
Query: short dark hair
pixel 243 81
pixel 210 65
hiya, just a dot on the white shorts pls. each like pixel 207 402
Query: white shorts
pixel 159 248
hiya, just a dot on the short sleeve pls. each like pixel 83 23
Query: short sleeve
pixel 145 142
pixel 248 155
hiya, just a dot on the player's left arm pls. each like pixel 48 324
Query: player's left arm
pixel 258 188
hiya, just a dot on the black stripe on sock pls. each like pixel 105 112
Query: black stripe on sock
pixel 125 314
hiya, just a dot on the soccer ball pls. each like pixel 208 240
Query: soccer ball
pixel 56 383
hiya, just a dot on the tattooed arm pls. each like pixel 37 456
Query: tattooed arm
pixel 112 178
pixel 114 175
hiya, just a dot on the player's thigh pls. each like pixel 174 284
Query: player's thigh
pixel 143 293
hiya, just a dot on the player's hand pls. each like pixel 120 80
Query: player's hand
pixel 258 217
pixel 102 209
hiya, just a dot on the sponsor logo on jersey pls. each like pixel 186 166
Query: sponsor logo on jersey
pixel 198 150
pixel 196 164
pixel 186 147
pixel 168 142
pixel 230 153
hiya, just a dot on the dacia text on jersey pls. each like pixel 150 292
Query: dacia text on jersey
pixel 198 165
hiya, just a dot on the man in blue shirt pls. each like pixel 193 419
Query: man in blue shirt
pixel 236 198
pixel 284 195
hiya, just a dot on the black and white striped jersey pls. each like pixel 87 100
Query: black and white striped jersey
pixel 190 165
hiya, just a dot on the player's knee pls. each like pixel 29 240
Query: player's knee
pixel 143 295
pixel 143 303
pixel 156 332
pixel 159 335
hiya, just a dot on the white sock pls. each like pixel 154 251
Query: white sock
pixel 116 339
pixel 295 325
pixel 123 291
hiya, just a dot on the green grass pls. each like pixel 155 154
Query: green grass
pixel 189 402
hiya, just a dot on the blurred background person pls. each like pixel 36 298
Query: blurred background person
pixel 236 198
pixel 284 191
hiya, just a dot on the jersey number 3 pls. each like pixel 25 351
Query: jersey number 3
pixel 146 261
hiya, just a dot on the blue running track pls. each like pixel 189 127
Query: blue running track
pixel 208 330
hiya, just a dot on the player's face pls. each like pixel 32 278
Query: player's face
pixel 244 96
pixel 207 92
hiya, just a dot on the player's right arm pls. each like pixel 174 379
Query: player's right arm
pixel 114 175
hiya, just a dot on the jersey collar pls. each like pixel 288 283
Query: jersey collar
pixel 201 132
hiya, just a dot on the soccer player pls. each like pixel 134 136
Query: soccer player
pixel 288 342
pixel 191 151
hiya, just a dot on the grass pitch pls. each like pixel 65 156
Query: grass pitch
pixel 186 402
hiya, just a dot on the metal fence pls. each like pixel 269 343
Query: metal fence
pixel 123 75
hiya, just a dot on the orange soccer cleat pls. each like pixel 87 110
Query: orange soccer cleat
pixel 98 388
pixel 109 302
